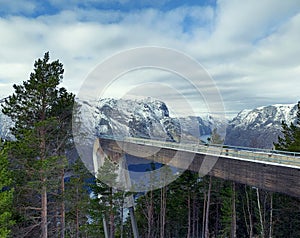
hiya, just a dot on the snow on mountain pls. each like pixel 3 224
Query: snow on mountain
pixel 121 118
pixel 259 127
pixel 5 124
pixel 147 118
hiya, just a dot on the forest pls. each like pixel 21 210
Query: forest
pixel 46 191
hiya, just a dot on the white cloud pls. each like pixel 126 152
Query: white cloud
pixel 249 47
pixel 250 20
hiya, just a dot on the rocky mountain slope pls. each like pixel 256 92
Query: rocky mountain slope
pixel 149 118
pixel 259 127
pixel 146 118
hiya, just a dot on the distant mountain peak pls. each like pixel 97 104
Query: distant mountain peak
pixel 260 127
pixel 147 118
pixel 150 118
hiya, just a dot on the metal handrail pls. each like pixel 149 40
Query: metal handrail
pixel 273 156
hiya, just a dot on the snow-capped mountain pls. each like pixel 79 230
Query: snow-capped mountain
pixel 259 127
pixel 5 124
pixel 147 118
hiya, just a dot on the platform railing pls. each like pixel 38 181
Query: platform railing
pixel 235 152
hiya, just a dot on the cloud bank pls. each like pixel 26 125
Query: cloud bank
pixel 250 48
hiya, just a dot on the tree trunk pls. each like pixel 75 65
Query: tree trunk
pixel 150 215
pixel 197 224
pixel 207 210
pixel 77 213
pixel 111 217
pixel 105 227
pixel 44 224
pixel 42 132
pixel 133 223
pixel 260 215
pixel 189 215
pixel 203 217
pixel 249 214
pixel 194 218
pixel 271 216
pixel 233 220
pixel 77 222
pixel 245 217
pixel 217 218
pixel 112 225
pixel 162 211
pixel 122 217
pixel 62 234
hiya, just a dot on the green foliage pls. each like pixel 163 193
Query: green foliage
pixel 107 202
pixel 226 209
pixel 186 187
pixel 6 194
pixel 41 112
pixel 286 216
pixel 77 199
pixel 291 135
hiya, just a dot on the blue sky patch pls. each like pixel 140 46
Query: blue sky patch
pixel 38 8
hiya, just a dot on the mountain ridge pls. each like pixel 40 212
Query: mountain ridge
pixel 150 118
pixel 259 127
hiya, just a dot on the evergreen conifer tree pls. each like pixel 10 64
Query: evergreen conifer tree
pixel 105 205
pixel 6 194
pixel 291 135
pixel 41 113
pixel 77 199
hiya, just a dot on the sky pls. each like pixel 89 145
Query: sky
pixel 250 48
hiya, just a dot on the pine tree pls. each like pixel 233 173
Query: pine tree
pixel 41 113
pixel 106 205
pixel 6 194
pixel 291 135
pixel 228 203
pixel 77 199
